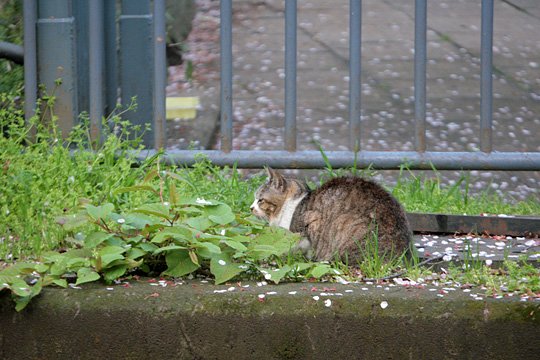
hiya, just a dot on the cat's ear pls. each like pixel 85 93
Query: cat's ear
pixel 275 179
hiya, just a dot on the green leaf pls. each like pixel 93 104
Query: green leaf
pixel 179 263
pixel 77 262
pixel 135 253
pixel 276 274
pixel 235 245
pixel 100 212
pixel 107 259
pixel 18 286
pixel 140 221
pixel 299 267
pixel 221 214
pixel 176 232
pixel 200 223
pixel 95 238
pixel 60 282
pixel 107 250
pixel 21 268
pixel 114 272
pixel 21 302
pixel 212 248
pixel 319 270
pixel 168 248
pixel 223 269
pixel 85 275
pixel 148 247
pixel 272 241
pixel 157 209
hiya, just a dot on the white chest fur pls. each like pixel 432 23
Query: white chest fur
pixel 284 218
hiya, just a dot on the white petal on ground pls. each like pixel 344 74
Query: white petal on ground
pixel 384 304
pixel 327 302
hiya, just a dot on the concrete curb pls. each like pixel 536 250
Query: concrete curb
pixel 195 320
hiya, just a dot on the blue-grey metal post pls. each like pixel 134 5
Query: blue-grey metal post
pixel 226 75
pixel 57 59
pixel 81 14
pixel 160 75
pixel 355 74
pixel 137 63
pixel 290 74
pixel 486 87
pixel 420 57
pixel 111 56
pixel 30 58
pixel 96 68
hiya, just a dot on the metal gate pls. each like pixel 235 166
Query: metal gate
pixel 142 31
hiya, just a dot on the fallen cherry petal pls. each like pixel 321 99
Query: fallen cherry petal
pixel 153 295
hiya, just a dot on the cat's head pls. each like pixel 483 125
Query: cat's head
pixel 271 196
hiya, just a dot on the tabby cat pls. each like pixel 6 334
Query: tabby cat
pixel 336 218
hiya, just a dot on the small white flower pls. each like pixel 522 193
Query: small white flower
pixel 316 298
pixel 219 291
pixel 290 292
pixel 327 302
pixel 222 262
pixel 261 296
pixel 166 203
pixel 71 179
pixel 121 221
pixel 384 304
pixel 267 276
pixel 447 257
pixel 271 293
pixel 232 288
pixel 203 202
pixel 222 232
pixel 7 211
pixel 489 262
pixel 110 289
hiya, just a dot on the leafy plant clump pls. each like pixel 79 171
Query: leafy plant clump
pixel 182 234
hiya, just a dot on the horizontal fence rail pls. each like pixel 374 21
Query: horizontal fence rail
pixel 384 160
pixel 126 54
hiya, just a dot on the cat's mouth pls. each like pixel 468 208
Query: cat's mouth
pixel 256 210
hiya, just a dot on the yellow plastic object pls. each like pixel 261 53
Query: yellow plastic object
pixel 181 107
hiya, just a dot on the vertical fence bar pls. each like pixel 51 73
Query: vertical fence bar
pixel 137 63
pixel 30 58
pixel 486 79
pixel 57 59
pixel 160 76
pixel 355 74
pixel 111 56
pixel 420 57
pixel 226 74
pixel 290 74
pixel 96 67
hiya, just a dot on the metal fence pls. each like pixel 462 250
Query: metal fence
pixel 142 31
